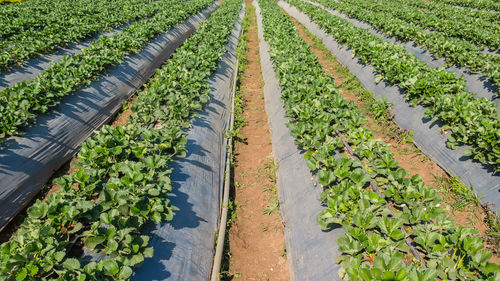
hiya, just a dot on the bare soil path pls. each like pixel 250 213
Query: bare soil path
pixel 256 239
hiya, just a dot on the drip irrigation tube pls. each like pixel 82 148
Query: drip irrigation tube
pixel 377 190
pixel 428 135
pixel 227 181
pixel 185 246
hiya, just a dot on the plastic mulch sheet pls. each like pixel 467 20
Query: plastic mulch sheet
pixel 311 251
pixel 427 135
pixel 28 162
pixel 476 83
pixel 31 68
pixel 185 247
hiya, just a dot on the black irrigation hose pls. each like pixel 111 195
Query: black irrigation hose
pixel 377 190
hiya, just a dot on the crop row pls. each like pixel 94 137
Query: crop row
pixel 457 51
pixel 478 4
pixel 38 14
pixel 443 10
pixel 473 121
pixel 488 21
pixel 480 36
pixel 69 26
pixel 376 227
pixel 122 177
pixel 20 104
pixel 31 16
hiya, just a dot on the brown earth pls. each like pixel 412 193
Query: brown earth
pixel 256 239
pixel 122 117
pixel 408 156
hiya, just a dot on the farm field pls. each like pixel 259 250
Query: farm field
pixel 250 140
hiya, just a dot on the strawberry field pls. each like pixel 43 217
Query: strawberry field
pixel 116 141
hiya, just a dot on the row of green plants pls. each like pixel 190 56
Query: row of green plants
pixel 382 227
pixel 122 180
pixel 33 14
pixel 62 27
pixel 6 11
pixel 38 14
pixel 487 21
pixel 20 104
pixel 444 10
pixel 457 51
pixel 473 121
pixel 477 4
pixel 479 35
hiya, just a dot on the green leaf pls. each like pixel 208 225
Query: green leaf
pixel 90 267
pixel 388 276
pixel 469 152
pixel 482 257
pixel 148 252
pixel 397 235
pixel 156 217
pixel 136 259
pixel 112 245
pixel 111 267
pixel 153 192
pixel 93 241
pixel 401 274
pixel 71 264
pixel 21 275
pixel 59 256
pixel 33 269
pixel 38 210
pixel 491 268
pixel 125 273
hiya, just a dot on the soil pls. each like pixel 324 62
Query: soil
pixel 119 120
pixel 256 239
pixel 408 156
pixel 122 118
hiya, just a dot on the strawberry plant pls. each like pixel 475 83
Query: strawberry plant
pixel 457 51
pixel 383 211
pixel 20 104
pixel 487 36
pixel 447 11
pixel 479 4
pixel 381 110
pixel 41 26
pixel 473 121
pixel 122 180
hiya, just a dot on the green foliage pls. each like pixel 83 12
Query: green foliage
pixel 473 121
pixel 393 21
pixel 20 104
pixel 478 4
pixel 446 11
pixel 374 244
pixel 9 1
pixel 123 178
pixel 381 110
pixel 457 25
pixel 38 26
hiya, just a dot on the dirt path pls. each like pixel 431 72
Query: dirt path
pixel 256 239
pixel 465 211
